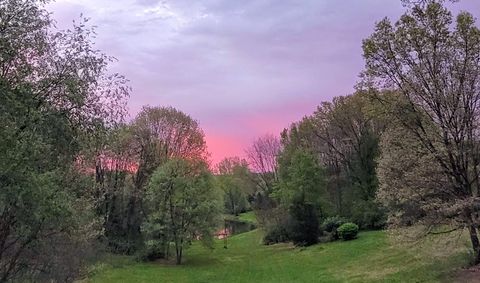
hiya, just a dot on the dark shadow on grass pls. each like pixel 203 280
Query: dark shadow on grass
pixel 201 261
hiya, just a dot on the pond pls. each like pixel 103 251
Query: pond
pixel 233 227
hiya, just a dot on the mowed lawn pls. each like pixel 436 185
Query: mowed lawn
pixel 370 258
pixel 248 217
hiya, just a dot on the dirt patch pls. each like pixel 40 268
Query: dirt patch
pixel 470 275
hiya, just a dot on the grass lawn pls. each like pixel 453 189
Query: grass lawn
pixel 370 258
pixel 244 217
pixel 248 217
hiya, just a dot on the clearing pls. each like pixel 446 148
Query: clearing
pixel 370 258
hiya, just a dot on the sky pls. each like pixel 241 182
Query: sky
pixel 242 68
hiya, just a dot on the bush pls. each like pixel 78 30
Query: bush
pixel 348 231
pixel 277 234
pixel 276 223
pixel 152 250
pixel 368 215
pixel 331 225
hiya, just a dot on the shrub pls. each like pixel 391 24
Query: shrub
pixel 368 215
pixel 331 225
pixel 277 234
pixel 348 231
pixel 276 222
pixel 152 250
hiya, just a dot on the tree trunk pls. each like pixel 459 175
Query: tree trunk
pixel 234 209
pixel 475 244
pixel 167 254
pixel 179 255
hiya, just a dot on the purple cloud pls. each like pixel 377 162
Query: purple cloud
pixel 242 68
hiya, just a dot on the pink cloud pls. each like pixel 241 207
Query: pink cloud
pixel 239 132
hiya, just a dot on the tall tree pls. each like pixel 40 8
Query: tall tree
pixel 343 135
pixel 183 205
pixel 56 95
pixel 434 66
pixel 159 134
pixel 302 191
pixel 115 166
pixel 411 181
pixel 348 137
pixel 262 158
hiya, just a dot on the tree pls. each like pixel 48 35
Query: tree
pixel 115 167
pixel 302 190
pixel 183 205
pixel 362 175
pixel 347 139
pixel 410 182
pixel 235 180
pixel 262 158
pixel 158 135
pixel 56 96
pixel 343 136
pixel 434 66
pixel 413 3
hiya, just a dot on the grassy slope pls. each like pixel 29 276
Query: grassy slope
pixel 370 258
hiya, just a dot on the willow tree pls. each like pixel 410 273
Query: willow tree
pixel 434 65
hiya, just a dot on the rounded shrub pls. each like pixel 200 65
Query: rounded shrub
pixel 348 231
pixel 331 224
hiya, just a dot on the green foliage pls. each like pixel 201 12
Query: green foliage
pixel 428 45
pixel 56 99
pixel 301 193
pixel 304 227
pixel 277 234
pixel 156 135
pixel 152 249
pixel 183 205
pixel 235 180
pixel 363 208
pixel 348 231
pixel 301 180
pixel 331 224
pixel 368 214
pixel 342 137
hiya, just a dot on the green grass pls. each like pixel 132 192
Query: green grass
pixel 244 217
pixel 370 258
pixel 248 217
